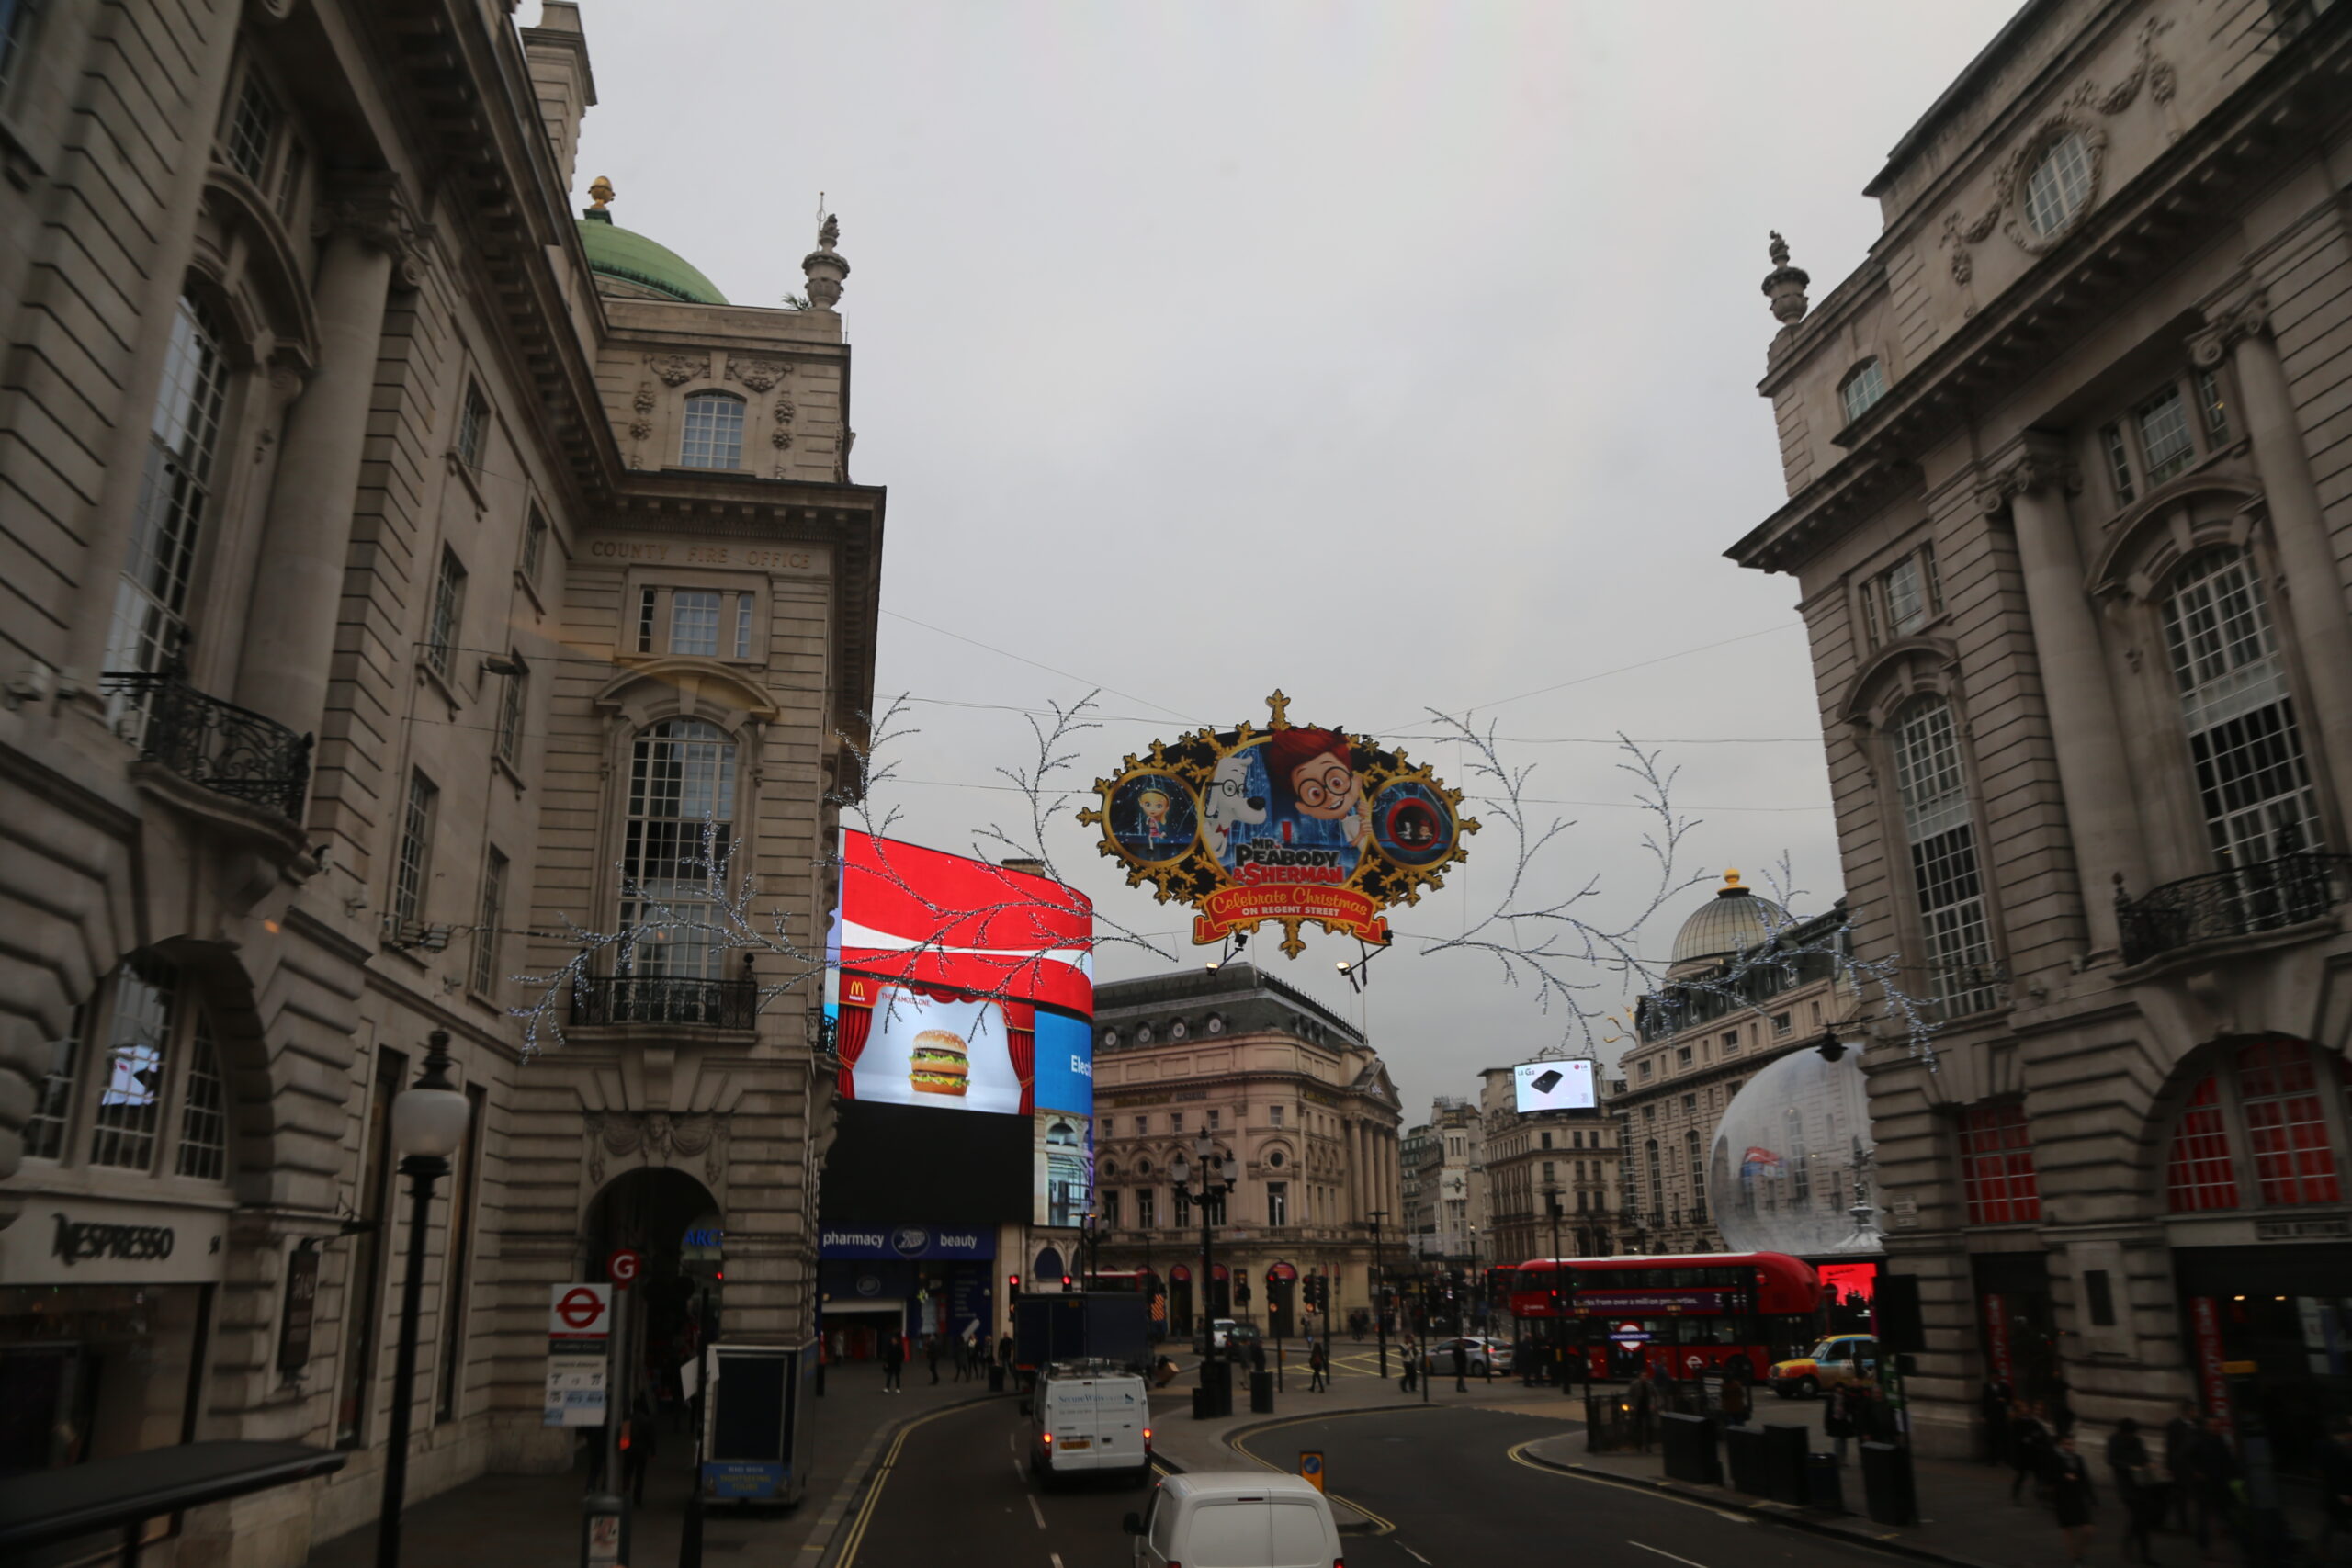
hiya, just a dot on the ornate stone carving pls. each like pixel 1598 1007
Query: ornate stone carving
pixel 825 270
pixel 1784 284
pixel 784 411
pixel 2245 315
pixel 638 429
pixel 781 439
pixel 657 1138
pixel 758 374
pixel 677 369
pixel 376 209
pixel 645 397
pixel 2033 471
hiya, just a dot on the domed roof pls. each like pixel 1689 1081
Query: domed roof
pixel 1730 923
pixel 651 266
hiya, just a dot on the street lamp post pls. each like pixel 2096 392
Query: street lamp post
pixel 429 1122
pixel 1559 1319
pixel 1211 1186
pixel 1375 1218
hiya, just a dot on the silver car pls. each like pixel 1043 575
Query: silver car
pixel 1481 1353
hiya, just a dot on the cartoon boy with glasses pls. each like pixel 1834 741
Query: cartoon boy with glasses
pixel 1313 773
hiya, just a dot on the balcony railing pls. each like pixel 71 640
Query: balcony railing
pixel 2244 901
pixel 216 745
pixel 665 998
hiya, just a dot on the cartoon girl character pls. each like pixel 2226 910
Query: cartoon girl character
pixel 1313 773
pixel 1154 803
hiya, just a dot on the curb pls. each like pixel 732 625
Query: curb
pixel 863 1471
pixel 1774 1513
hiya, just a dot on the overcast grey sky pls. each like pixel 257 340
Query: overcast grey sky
pixel 1400 355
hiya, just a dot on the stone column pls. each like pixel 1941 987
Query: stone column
pixel 2102 818
pixel 306 538
pixel 2298 527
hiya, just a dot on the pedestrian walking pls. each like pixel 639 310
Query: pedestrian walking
pixel 1318 1363
pixel 1641 1397
pixel 1736 1402
pixel 2072 1498
pixel 967 1351
pixel 1997 1398
pixel 2212 1482
pixel 2029 1446
pixel 894 1357
pixel 2181 1435
pixel 1412 1369
pixel 2335 1486
pixel 1460 1367
pixel 932 1350
pixel 2135 1486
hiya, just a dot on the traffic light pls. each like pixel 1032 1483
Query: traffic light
pixel 1065 1281
pixel 1013 1284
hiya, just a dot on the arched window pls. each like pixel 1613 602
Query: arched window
pixel 714 431
pixel 175 490
pixel 1864 385
pixel 156 1101
pixel 674 852
pixel 2251 776
pixel 2266 1100
pixel 2199 1173
pixel 2058 185
pixel 1945 879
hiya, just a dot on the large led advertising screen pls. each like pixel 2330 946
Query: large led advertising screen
pixel 966 987
pixel 1553 1085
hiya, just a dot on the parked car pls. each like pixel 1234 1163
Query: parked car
pixel 1087 1418
pixel 1229 1336
pixel 1842 1359
pixel 1483 1353
pixel 1235 1519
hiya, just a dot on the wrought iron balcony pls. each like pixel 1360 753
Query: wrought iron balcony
pixel 2244 901
pixel 216 745
pixel 665 998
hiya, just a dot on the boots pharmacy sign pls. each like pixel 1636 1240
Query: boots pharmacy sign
pixel 1292 824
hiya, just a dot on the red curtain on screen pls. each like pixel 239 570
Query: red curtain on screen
pixel 1021 1036
pixel 852 1026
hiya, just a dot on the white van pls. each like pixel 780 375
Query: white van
pixel 1087 1416
pixel 1239 1518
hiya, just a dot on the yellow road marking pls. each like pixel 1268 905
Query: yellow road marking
pixel 881 1478
pixel 1236 1444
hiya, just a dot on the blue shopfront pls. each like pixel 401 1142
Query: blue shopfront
pixel 910 1279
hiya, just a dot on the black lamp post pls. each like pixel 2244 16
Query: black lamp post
pixel 429 1122
pixel 1559 1318
pixel 1211 1188
pixel 1375 1218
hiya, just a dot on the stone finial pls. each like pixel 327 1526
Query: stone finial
pixel 600 193
pixel 1784 284
pixel 824 266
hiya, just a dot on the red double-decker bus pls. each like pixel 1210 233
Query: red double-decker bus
pixel 1682 1316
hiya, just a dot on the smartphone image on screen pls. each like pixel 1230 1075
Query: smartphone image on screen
pixel 1546 1081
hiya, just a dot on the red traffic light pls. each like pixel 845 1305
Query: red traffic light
pixel 1065 1281
pixel 1013 1282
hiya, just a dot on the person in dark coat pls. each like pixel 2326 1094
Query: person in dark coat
pixel 1318 1364
pixel 2212 1473
pixel 2072 1497
pixel 2030 1447
pixel 2181 1435
pixel 1998 1396
pixel 1460 1367
pixel 2136 1488
pixel 933 1349
pixel 1642 1395
pixel 1735 1396
pixel 894 1357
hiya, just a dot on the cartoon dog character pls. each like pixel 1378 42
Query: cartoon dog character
pixel 1226 805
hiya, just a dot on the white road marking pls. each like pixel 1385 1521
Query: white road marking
pixel 1017 1470
pixel 1409 1553
pixel 1668 1555
pixel 1040 1514
pixel 1057 1557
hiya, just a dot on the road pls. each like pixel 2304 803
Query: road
pixel 1444 1479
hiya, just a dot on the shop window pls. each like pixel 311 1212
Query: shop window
pixel 2279 1089
pixel 2199 1174
pixel 1997 1166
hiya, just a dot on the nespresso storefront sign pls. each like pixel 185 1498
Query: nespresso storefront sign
pixel 89 1241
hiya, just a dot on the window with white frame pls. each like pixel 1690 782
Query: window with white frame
pixel 488 918
pixel 443 623
pixel 413 868
pixel 695 623
pixel 513 703
pixel 713 436
pixel 1941 833
pixel 251 131
pixel 1864 385
pixel 2058 185
pixel 535 544
pixel 2252 778
pixel 169 511
pixel 156 1101
pixel 676 847
pixel 1905 597
pixel 473 427
pixel 2164 434
pixel 1278 1202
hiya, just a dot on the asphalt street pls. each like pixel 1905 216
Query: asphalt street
pixel 1445 1483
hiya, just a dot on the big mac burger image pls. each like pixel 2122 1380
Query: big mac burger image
pixel 941 1065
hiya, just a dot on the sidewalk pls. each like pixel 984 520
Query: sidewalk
pixel 1966 1518
pixel 533 1521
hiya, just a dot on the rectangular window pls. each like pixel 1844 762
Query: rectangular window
pixel 2210 405
pixel 252 127
pixel 1997 1166
pixel 416 853
pixel 357 1372
pixel 1278 1202
pixel 168 514
pixel 492 915
pixel 1111 1209
pixel 1548 1167
pixel 694 623
pixel 1143 1125
pixel 1906 600
pixel 2199 1174
pixel 512 704
pixel 473 428
pixel 743 626
pixel 1682 1057
pixel 1731 1042
pixel 1690 1104
pixel 714 431
pixel 1931 578
pixel 1644 1072
pixel 2279 1092
pixel 2099 1294
pixel 137 1064
pixel 535 544
pixel 2165 443
pixel 442 629
pixel 1870 626
pixel 1783 1023
pixel 204 1109
pixel 467 1173
pixel 1276 1112
pixel 18 20
pixel 1213 1121
pixel 1175 1121
pixel 289 180
pixel 1547 1139
pixel 2119 465
pixel 645 620
pixel 1146 1217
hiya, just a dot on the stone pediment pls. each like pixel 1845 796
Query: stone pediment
pixel 687 688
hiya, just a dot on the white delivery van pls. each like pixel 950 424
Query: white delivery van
pixel 1235 1519
pixel 1090 1417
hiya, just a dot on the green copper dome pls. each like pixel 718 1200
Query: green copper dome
pixel 630 258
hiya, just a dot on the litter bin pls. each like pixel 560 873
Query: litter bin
pixel 996 1377
pixel 1689 1445
pixel 1261 1393
pixel 1203 1405
pixel 1743 1454
pixel 1824 1483
pixel 1887 1495
pixel 1784 1465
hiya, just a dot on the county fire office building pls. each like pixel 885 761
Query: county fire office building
pixel 2069 464
pixel 395 557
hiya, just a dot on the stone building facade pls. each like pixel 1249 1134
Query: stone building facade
pixel 1295 1102
pixel 1445 1183
pixel 396 561
pixel 1532 1160
pixel 2069 466
pixel 1730 1006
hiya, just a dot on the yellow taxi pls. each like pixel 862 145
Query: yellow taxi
pixel 1842 1359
